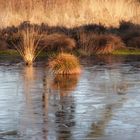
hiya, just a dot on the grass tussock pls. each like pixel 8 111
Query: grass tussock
pixel 65 63
pixel 58 42
pixel 69 13
pixel 100 44
pixel 28 47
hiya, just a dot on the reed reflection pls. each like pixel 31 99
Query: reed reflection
pixel 98 128
pixel 64 85
pixel 103 60
pixel 36 104
pixel 29 77
pixel 45 106
pixel 114 86
pixel 27 118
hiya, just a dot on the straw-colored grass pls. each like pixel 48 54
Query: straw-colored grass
pixel 65 63
pixel 28 47
pixel 69 12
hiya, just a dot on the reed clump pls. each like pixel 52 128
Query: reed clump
pixel 28 46
pixel 65 63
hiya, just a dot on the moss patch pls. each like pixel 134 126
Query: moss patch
pixel 14 53
pixel 9 53
pixel 126 52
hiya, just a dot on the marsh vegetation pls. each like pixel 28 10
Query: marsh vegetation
pixel 52 99
pixel 28 45
pixel 81 27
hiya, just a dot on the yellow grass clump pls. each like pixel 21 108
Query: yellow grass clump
pixel 65 63
pixel 28 47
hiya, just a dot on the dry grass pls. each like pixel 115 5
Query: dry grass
pixel 69 12
pixel 99 44
pixel 59 42
pixel 65 63
pixel 108 43
pixel 28 47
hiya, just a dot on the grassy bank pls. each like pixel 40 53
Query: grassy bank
pixel 44 54
pixel 85 40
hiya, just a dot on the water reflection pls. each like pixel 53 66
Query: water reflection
pixel 35 104
pixel 104 90
pixel 45 104
pixel 101 103
pixel 103 60
pixel 29 78
pixel 65 84
pixel 98 128
pixel 63 103
pixel 27 119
